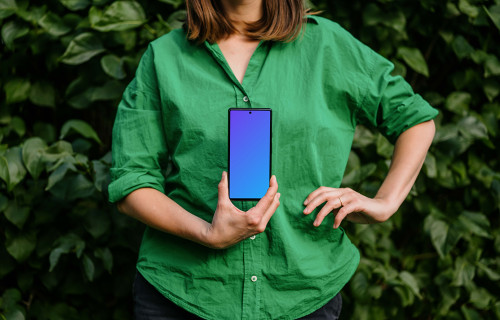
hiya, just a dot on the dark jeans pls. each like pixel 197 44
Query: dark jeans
pixel 149 304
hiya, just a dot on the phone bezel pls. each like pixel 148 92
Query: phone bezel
pixel 229 146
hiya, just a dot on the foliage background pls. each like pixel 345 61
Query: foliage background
pixel 66 253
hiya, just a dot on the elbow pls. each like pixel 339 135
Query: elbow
pixel 120 205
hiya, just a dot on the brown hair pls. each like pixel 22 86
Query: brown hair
pixel 281 20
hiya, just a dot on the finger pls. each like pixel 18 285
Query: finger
pixel 268 198
pixel 271 210
pixel 223 189
pixel 327 208
pixel 326 195
pixel 314 194
pixel 351 204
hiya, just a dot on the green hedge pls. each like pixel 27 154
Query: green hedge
pixel 66 253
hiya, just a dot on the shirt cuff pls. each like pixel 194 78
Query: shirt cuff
pixel 132 181
pixel 409 113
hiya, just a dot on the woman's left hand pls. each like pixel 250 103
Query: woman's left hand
pixel 349 204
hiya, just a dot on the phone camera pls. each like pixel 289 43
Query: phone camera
pixel 250 112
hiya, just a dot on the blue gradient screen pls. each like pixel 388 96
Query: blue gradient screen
pixel 249 153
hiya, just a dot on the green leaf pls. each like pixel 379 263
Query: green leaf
pixel 32 152
pixel 463 273
pixel 53 24
pixel 494 14
pixel 470 314
pixel 461 47
pixel 408 279
pixel 472 128
pixel 16 214
pixel 174 3
pixel 430 167
pixel 491 89
pixel 75 5
pixel 82 48
pixel 97 223
pixel 45 131
pixel 480 298
pixel 88 267
pixel 176 19
pixel 492 275
pixel 443 237
pixel 4 170
pixel 59 174
pixel 384 147
pixel 106 256
pixel 470 10
pixel 111 90
pixel 100 174
pixel 13 170
pixel 66 244
pixel 458 102
pixel 113 66
pixel 359 286
pixel 21 246
pixel 405 294
pixel 7 8
pixel 13 30
pixel 17 124
pixel 17 90
pixel 75 186
pixel 373 15
pixel 119 16
pixel 81 127
pixel 491 66
pixel 356 176
pixel 414 58
pixel 476 222
pixel 43 94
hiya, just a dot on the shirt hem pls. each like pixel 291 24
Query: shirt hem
pixel 178 301
pixel 330 296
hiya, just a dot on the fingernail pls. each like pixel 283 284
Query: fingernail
pixel 279 195
pixel 306 202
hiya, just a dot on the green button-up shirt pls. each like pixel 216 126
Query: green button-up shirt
pixel 175 110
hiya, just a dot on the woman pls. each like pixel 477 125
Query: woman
pixel 279 258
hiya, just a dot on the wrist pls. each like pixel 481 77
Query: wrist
pixel 389 206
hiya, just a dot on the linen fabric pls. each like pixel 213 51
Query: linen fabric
pixel 174 114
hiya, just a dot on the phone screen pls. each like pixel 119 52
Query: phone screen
pixel 249 153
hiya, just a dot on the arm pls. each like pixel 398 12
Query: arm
pixel 409 155
pixel 229 225
pixel 158 211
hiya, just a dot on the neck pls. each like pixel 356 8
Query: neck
pixel 242 11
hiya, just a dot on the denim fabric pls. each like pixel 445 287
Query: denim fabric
pixel 149 304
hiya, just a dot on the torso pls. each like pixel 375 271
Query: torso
pixel 237 51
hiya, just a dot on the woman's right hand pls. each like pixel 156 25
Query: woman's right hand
pixel 231 225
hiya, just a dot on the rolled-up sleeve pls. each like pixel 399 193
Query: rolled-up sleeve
pixel 389 103
pixel 139 150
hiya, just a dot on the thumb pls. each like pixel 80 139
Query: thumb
pixel 223 188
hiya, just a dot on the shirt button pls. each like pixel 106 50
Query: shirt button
pixel 245 98
pixel 252 237
pixel 254 278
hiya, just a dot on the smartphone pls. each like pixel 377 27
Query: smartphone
pixel 249 156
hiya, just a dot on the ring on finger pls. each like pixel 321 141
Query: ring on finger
pixel 341 204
